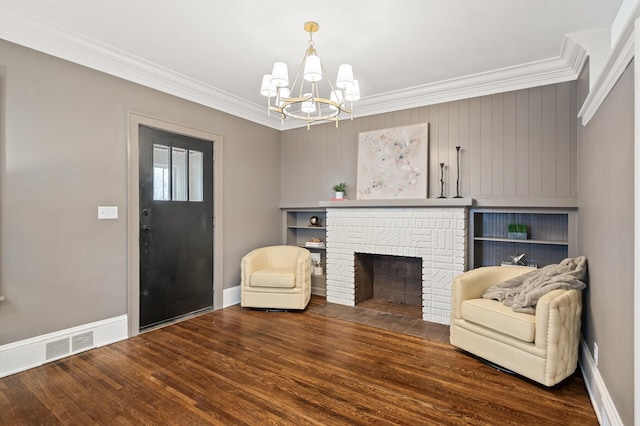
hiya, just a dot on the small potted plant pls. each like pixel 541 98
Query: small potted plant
pixel 518 231
pixel 340 188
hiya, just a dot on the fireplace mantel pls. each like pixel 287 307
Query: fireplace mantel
pixel 420 202
pixel 566 203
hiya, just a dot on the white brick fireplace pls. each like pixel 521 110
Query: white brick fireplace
pixel 437 235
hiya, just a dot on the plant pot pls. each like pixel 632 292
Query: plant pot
pixel 517 235
pixel 317 270
pixel 339 195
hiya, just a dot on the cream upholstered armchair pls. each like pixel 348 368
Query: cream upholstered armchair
pixel 276 277
pixel 542 347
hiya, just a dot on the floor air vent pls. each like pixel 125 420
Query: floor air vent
pixel 57 349
pixel 82 341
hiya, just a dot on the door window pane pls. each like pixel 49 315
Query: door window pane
pixel 160 172
pixel 186 180
pixel 195 176
pixel 179 167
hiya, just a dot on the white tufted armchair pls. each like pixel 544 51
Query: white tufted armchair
pixel 542 347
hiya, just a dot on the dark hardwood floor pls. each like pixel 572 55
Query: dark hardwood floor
pixel 241 366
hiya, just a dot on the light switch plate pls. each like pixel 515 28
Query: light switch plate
pixel 107 212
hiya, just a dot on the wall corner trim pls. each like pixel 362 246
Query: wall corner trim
pixel 621 55
pixel 614 68
pixel 28 353
pixel 636 239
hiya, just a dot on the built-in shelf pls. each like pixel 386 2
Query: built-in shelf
pixel 298 205
pixel 305 227
pixel 308 247
pixel 515 241
pixel 552 235
pixel 298 230
pixel 526 203
pixel 552 225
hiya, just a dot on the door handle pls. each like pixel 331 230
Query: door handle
pixel 146 228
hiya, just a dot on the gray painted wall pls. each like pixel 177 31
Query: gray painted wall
pixel 605 236
pixel 514 145
pixel 64 150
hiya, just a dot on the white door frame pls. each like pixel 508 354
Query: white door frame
pixel 133 216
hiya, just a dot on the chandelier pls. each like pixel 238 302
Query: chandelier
pixel 304 101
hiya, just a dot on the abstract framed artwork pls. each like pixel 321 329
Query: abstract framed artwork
pixel 392 163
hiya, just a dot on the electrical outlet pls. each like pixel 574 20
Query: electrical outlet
pixel 595 353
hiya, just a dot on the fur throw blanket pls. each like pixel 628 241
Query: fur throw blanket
pixel 523 292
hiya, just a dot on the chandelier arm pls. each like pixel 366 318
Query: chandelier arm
pixel 298 74
pixel 324 71
pixel 287 109
pixel 318 104
pixel 312 119
pixel 343 106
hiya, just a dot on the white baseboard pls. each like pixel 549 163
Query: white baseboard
pixel 25 354
pixel 231 296
pixel 319 291
pixel 600 399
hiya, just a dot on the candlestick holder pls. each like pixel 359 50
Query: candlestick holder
pixel 457 173
pixel 441 181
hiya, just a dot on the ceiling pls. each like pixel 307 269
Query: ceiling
pixel 404 53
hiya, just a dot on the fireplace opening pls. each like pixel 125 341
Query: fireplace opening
pixel 389 283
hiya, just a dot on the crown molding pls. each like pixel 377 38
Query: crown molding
pixel 557 70
pixel 27 30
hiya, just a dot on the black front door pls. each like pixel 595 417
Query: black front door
pixel 176 225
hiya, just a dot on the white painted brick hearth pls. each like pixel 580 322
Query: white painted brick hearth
pixel 437 235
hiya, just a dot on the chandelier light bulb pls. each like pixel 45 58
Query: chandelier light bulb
pixel 353 92
pixel 280 75
pixel 345 76
pixel 312 68
pixel 283 93
pixel 266 88
pixel 308 106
